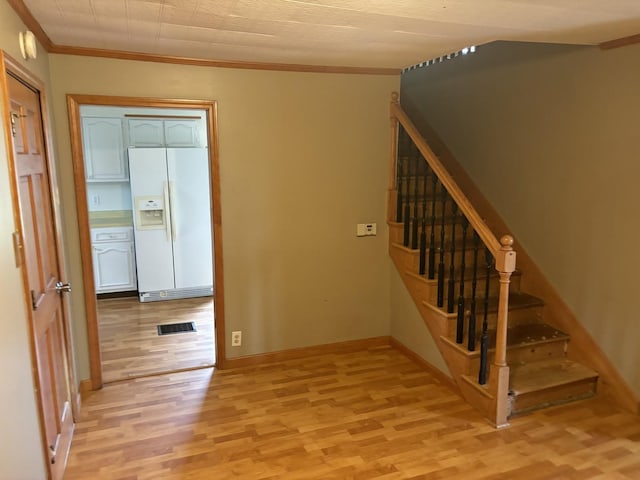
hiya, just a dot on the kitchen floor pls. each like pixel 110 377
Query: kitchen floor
pixel 130 344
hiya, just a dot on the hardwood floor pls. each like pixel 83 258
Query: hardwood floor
pixel 130 344
pixel 367 415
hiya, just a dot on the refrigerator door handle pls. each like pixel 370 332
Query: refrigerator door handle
pixel 167 210
pixel 172 198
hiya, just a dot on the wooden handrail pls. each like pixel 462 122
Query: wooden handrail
pixel 460 198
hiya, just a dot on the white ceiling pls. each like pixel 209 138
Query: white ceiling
pixel 362 33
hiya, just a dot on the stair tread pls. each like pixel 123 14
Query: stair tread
pixel 546 374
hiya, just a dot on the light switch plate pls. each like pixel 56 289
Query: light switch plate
pixel 366 229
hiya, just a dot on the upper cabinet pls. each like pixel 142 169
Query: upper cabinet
pixel 104 157
pixel 181 133
pixel 163 133
pixel 146 133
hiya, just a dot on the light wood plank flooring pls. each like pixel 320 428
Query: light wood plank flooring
pixel 130 344
pixel 367 415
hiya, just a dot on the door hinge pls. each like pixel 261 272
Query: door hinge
pixel 13 116
pixel 54 449
pixel 34 299
pixel 13 123
pixel 18 250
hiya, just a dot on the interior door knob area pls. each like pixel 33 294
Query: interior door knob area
pixel 63 287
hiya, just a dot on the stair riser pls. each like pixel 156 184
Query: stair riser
pixel 421 288
pixel 408 261
pixel 533 352
pixel 524 354
pixel 413 262
pixel 468 363
pixel 520 316
pixel 553 396
pixel 494 289
pixel 429 201
pixel 421 185
pixel 397 234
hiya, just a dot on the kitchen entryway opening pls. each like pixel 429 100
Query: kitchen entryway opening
pixel 147 182
pixel 131 343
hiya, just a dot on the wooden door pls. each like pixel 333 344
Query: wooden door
pixel 41 272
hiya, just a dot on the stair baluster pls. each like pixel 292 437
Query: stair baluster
pixel 460 319
pixel 407 206
pixel 443 201
pixel 423 233
pixel 414 225
pixel 451 291
pixel 484 340
pixel 432 234
pixel 471 343
pixel 400 172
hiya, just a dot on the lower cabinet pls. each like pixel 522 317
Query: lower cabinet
pixel 114 265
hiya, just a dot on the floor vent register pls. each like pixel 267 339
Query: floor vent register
pixel 171 328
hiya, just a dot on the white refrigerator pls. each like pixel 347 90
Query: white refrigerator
pixel 172 222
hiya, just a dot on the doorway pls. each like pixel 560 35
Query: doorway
pixel 123 320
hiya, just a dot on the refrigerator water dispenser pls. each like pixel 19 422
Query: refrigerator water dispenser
pixel 151 212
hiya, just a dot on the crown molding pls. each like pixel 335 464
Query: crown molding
pixel 203 62
pixel 620 42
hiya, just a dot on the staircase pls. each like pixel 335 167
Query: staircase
pixel 501 350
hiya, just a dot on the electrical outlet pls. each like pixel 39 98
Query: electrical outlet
pixel 95 200
pixel 236 338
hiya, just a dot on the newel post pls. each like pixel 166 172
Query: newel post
pixel 499 376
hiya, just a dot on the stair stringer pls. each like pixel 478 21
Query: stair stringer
pixel 438 325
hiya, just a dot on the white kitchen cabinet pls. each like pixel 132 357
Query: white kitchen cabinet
pixel 104 157
pixel 181 133
pixel 146 133
pixel 114 265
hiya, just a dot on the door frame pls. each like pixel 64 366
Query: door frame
pixel 9 65
pixel 74 101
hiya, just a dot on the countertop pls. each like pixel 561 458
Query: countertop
pixel 110 218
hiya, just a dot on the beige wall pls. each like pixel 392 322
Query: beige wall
pixel 408 327
pixel 303 158
pixel 21 451
pixel 549 133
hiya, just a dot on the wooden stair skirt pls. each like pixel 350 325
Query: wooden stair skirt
pixel 540 374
